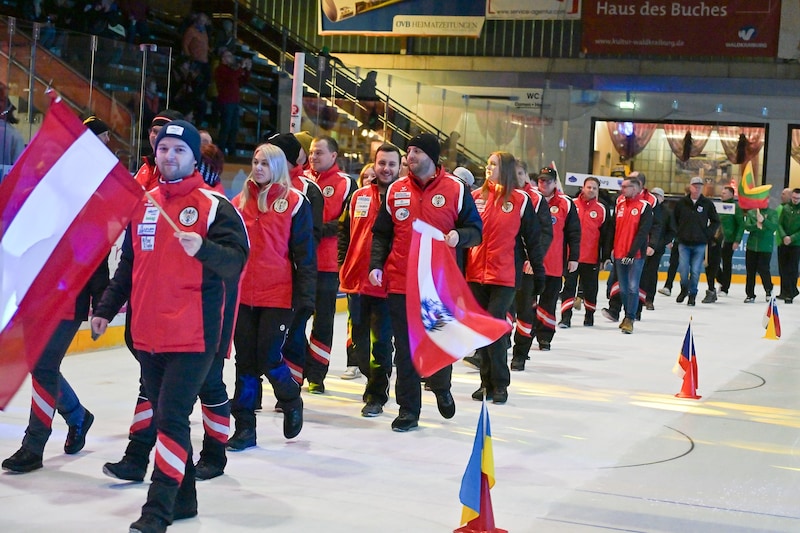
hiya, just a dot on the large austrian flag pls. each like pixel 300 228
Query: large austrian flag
pixel 62 206
pixel 445 323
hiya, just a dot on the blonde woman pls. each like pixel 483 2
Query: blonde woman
pixel 280 274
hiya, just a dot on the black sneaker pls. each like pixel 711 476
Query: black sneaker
pixel 588 320
pixel 544 346
pixel 76 436
pixel 692 299
pixel 206 470
pixel 517 364
pixel 711 297
pixel 565 324
pixel 446 404
pixel 750 299
pixel 148 523
pixel 473 362
pixel 292 418
pixel 23 461
pixel 681 296
pixel 242 439
pixel 405 421
pixel 769 295
pixel 371 409
pixel 611 315
pixel 500 395
pixel 478 394
pixel 127 470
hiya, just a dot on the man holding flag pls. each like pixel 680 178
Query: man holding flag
pixel 188 233
pixel 430 194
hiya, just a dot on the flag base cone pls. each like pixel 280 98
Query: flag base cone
pixel 484 522
pixel 688 389
pixel 771 334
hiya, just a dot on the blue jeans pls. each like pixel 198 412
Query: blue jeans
pixel 690 264
pixel 628 277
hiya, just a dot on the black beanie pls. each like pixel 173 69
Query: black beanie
pixel 289 144
pixel 428 143
pixel 95 125
pixel 168 115
pixel 180 129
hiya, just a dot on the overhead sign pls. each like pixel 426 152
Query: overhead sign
pixel 606 182
pixel 533 9
pixel 402 17
pixel 686 28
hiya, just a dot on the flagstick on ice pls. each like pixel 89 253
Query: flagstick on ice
pixel 477 515
pixel 686 366
pixel 771 321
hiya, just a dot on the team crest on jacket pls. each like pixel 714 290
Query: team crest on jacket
pixel 280 205
pixel 592 214
pixel 699 208
pixel 327 192
pixel 438 200
pixel 188 216
pixel 634 211
pixel 507 207
pixel 554 209
pixel 402 213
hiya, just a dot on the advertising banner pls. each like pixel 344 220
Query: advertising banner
pixel 685 28
pixel 402 17
pixel 533 9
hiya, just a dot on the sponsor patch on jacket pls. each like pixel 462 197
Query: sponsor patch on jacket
pixel 150 215
pixel 146 229
pixel 400 203
pixel 361 208
pixel 188 216
pixel 148 243
pixel 401 213
pixel 402 194
pixel 280 205
pixel 328 191
pixel 438 200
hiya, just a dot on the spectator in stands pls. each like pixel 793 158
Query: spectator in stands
pixel 195 46
pixel 184 86
pixel 135 12
pixel 10 138
pixel 225 38
pixel 230 77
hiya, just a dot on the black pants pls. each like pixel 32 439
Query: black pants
pixel 51 391
pixel 757 262
pixel 714 252
pixel 496 300
pixel 318 357
pixel 371 331
pixel 726 266
pixel 172 381
pixel 259 336
pixel 407 389
pixel 649 280
pixel 789 258
pixel 674 258
pixel 585 275
pixel 546 310
pixel 524 307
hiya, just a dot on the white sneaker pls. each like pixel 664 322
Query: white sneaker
pixel 352 372
pixel 665 291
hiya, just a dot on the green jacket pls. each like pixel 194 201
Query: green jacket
pixel 732 225
pixel 789 224
pixel 761 239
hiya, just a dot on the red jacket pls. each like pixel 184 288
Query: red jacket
pixel 148 174
pixel 336 189
pixel 566 235
pixel 592 215
pixel 177 300
pixel 229 81
pixel 281 241
pixel 633 218
pixel 443 202
pixel 355 243
pixel 493 261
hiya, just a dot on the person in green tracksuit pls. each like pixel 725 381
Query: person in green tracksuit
pixel 732 230
pixel 788 235
pixel 761 223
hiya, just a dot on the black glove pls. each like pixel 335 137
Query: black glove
pixel 538 286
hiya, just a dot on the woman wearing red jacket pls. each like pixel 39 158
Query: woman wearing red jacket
pixel 509 225
pixel 282 265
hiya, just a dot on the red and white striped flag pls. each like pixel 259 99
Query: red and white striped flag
pixel 445 323
pixel 62 206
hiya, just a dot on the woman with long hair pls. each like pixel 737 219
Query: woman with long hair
pixel 494 267
pixel 280 275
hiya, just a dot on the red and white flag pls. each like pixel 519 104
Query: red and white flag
pixel 445 323
pixel 62 206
